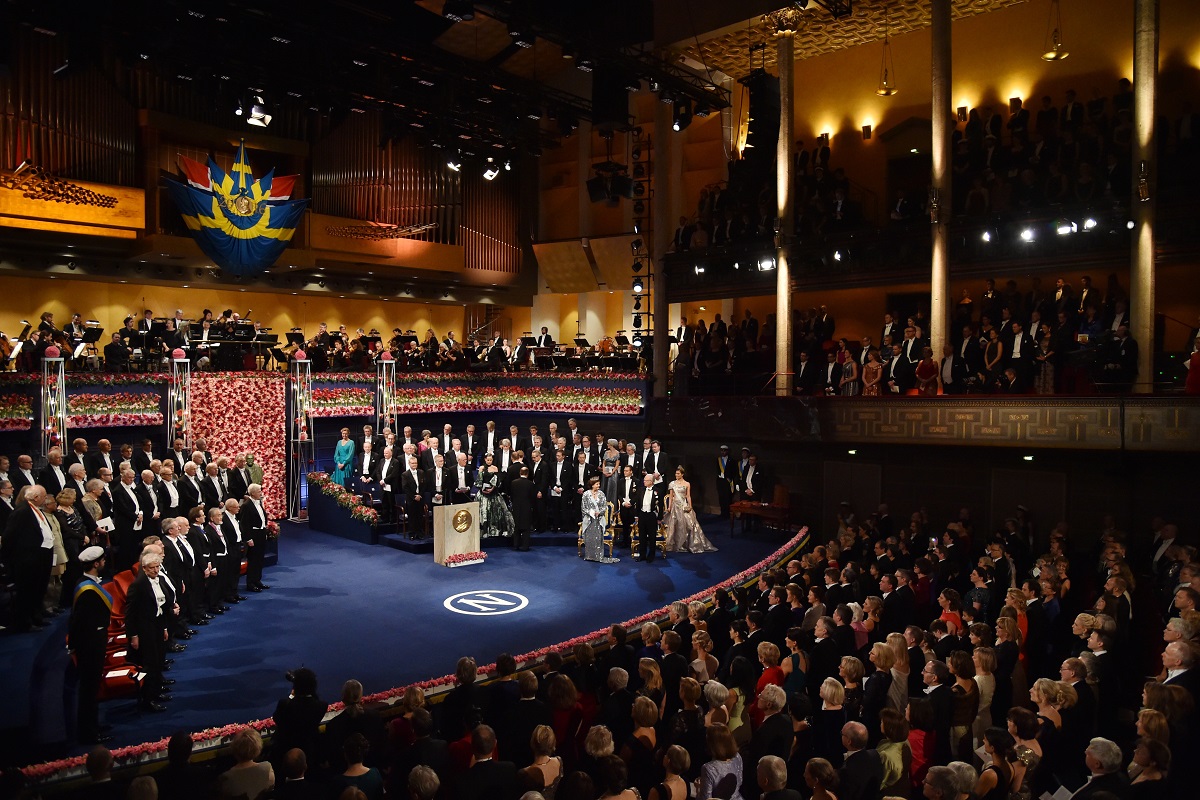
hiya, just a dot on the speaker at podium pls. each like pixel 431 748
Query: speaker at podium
pixel 455 530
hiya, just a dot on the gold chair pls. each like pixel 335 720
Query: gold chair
pixel 609 532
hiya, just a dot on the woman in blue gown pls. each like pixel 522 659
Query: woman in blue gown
pixel 343 459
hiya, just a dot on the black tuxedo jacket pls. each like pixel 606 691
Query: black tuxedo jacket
pixel 189 493
pixel 809 375
pixel 635 495
pixel 180 459
pixel 656 508
pixel 47 479
pixel 412 486
pixel 141 617
pixel 358 471
pixel 140 461
pixel 164 500
pixel 489 780
pixel 239 483
pixel 147 498
pixel 74 458
pixel 95 462
pixel 958 370
pixel 426 459
pixel 772 738
pixel 576 484
pixel 253 523
pixel 539 473
pixel 860 776
pixel 454 487
pixel 431 485
pixel 524 494
pixel 212 494
pixel 898 609
pixel 470 446
pixel 390 475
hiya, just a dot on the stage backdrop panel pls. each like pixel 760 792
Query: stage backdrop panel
pixel 244 412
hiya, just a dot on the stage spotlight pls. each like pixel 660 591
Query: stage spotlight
pixel 699 269
pixel 683 114
pixel 1027 235
pixel 239 110
pixel 837 255
pixel 637 340
pixel 636 245
pixel 1090 223
pixel 508 166
pixel 258 113
pixel 637 320
pixel 1131 225
pixel 637 303
pixel 490 171
pixel 637 266
pixel 766 265
pixel 1065 227
pixel 987 236
pixel 736 265
pixel 455 164
pixel 638 285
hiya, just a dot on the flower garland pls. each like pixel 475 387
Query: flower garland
pixel 476 377
pixel 88 379
pixel 16 412
pixel 343 402
pixel 244 412
pixel 211 735
pixel 562 399
pixel 343 497
pixel 113 410
pixel 462 559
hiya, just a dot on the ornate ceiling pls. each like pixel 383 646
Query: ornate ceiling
pixel 730 50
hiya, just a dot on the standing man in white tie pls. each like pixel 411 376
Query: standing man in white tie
pixel 412 484
pixel 628 500
pixel 252 520
pixel 364 470
pixel 462 478
pixel 388 472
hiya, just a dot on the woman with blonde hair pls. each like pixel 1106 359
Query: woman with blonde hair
pixel 768 657
pixel 546 770
pixel 400 730
pixel 827 726
pixel 851 670
pixel 898 691
pixel 984 659
pixel 652 682
pixel 877 691
pixel 704 664
pixel 1010 675
pixel 651 638
pixel 1152 724
pixel 247 778
pixel 639 749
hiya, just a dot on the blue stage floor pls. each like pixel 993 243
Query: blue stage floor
pixel 349 610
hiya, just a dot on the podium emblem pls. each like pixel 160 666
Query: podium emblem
pixel 462 521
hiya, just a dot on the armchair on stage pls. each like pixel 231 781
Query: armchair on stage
pixel 610 532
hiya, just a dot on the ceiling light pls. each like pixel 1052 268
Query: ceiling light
pixel 455 164
pixel 1089 223
pixel 638 285
pixel 1027 235
pixel 637 321
pixel 1130 225
pixel 1055 50
pixel 887 66
pixel 239 111
pixel 698 269
pixel 1065 227
pixel 490 171
pixel 683 114
pixel 585 64
pixel 359 63
pixel 636 245
pixel 507 166
pixel 987 236
pixel 766 265
pixel 637 303
pixel 534 113
pixel 258 113
pixel 637 266
pixel 837 255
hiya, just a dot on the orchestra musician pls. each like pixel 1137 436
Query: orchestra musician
pixel 544 339
pixel 117 354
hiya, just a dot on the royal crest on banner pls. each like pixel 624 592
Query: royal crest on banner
pixel 242 223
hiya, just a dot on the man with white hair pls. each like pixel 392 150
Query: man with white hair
pixel 773 737
pixel 29 548
pixel 771 777
pixel 1103 758
pixel 212 491
pixel 252 517
pixel 1179 660
pixel 147 608
pixel 77 480
pixel 237 545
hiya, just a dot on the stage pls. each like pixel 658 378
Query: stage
pixel 374 613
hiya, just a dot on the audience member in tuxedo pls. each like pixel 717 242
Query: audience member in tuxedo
pixel 28 550
pixel 768 771
pixel 487 779
pixel 465 704
pixel 297 784
pixel 525 716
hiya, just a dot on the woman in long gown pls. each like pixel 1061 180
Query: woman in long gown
pixel 595 520
pixel 927 374
pixel 343 458
pixel 683 531
pixel 494 517
pixel 872 374
pixel 610 468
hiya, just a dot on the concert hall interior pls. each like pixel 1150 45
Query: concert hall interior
pixel 941 257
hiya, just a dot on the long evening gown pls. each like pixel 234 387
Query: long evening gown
pixel 593 506
pixel 494 517
pixel 343 454
pixel 683 531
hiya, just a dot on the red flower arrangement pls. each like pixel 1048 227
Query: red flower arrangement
pixel 16 412
pixel 561 399
pixel 87 379
pixel 114 410
pixel 272 529
pixel 244 412
pixel 464 559
pixel 344 497
pixel 343 402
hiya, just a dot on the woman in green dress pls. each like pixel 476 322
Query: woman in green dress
pixel 343 459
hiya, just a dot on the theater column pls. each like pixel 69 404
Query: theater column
pixel 783 187
pixel 664 228
pixel 1143 200
pixel 940 174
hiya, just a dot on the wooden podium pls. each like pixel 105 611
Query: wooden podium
pixel 455 530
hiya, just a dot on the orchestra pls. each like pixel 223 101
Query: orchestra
pixel 232 342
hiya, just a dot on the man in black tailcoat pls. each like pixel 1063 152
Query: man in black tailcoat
pixel 649 514
pixel 524 496
pixel 148 607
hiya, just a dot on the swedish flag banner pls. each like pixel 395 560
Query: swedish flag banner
pixel 241 223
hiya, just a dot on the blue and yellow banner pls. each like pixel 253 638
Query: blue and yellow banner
pixel 242 223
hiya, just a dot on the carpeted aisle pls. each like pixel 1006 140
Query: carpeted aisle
pixel 348 610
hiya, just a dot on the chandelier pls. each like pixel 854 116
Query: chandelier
pixel 887 67
pixel 786 20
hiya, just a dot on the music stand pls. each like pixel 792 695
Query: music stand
pixel 243 332
pixel 90 336
pixel 581 342
pixel 295 338
pixel 374 343
pixel 529 341
pixel 622 340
